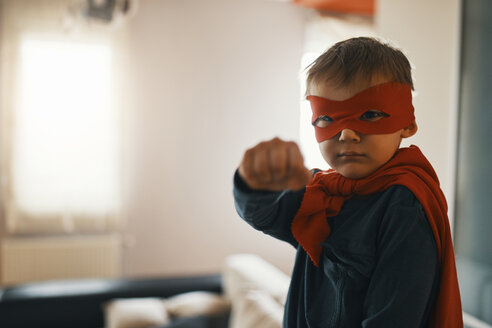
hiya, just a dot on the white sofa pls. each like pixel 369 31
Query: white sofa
pixel 257 291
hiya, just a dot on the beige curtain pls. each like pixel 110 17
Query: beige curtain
pixel 59 20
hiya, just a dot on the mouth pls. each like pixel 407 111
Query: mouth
pixel 350 154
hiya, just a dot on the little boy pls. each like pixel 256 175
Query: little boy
pixel 372 235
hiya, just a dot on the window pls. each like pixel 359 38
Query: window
pixel 64 168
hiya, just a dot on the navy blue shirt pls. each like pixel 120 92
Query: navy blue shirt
pixel 378 267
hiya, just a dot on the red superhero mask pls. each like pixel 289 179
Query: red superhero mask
pixel 393 99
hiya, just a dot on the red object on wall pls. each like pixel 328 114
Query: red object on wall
pixel 361 7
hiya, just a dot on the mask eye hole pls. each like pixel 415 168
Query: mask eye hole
pixel 373 115
pixel 323 121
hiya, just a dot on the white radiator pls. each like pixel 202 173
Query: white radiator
pixel 44 258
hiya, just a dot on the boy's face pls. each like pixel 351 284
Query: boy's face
pixel 353 154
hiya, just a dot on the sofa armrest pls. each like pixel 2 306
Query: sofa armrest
pixel 249 270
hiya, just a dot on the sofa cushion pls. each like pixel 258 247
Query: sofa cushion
pixel 196 303
pixel 202 321
pixel 135 313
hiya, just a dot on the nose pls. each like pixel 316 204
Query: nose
pixel 348 135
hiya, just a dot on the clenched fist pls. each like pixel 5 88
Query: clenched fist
pixel 274 165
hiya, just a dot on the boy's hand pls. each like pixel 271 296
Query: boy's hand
pixel 274 165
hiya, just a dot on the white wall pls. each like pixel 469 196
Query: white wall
pixel 209 79
pixel 429 32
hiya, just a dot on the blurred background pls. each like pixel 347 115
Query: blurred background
pixel 122 124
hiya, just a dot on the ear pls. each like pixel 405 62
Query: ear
pixel 409 130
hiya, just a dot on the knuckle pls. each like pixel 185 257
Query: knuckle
pixel 262 147
pixel 293 146
pixel 276 141
pixel 251 152
pixel 247 154
pixel 261 144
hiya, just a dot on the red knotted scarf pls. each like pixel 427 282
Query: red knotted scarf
pixel 328 191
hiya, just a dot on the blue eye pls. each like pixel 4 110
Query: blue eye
pixel 323 121
pixel 373 115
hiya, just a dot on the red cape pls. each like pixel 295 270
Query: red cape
pixel 328 191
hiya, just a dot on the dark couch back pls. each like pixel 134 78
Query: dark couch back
pixel 79 303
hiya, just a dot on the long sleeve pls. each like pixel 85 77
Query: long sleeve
pixel 404 282
pixel 267 211
pixel 379 266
